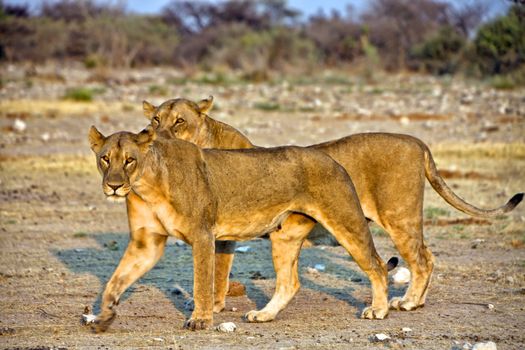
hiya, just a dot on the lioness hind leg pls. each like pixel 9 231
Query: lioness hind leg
pixel 420 261
pixel 355 237
pixel 224 253
pixel 286 246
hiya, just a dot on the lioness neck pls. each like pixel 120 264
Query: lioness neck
pixel 216 134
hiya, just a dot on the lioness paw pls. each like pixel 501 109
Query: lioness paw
pixel 403 305
pixel 196 324
pixel 374 313
pixel 103 321
pixel 218 307
pixel 259 316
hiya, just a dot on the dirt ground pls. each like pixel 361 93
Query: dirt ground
pixel 60 240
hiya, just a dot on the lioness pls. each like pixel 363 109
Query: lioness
pixel 388 172
pixel 200 196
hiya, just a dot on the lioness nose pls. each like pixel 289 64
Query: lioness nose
pixel 115 187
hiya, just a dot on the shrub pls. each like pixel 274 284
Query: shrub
pixel 499 45
pixel 441 53
pixel 80 94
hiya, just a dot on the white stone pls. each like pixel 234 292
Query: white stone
pixel 490 345
pixel 45 137
pixel 401 276
pixel 243 249
pixel 88 318
pixel 406 329
pixel 381 336
pixel 319 267
pixel 159 339
pixel 226 327
pixel 405 121
pixel 19 125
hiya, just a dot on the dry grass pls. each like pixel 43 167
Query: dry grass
pixel 478 150
pixel 61 107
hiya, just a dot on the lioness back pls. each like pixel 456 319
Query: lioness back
pixel 266 175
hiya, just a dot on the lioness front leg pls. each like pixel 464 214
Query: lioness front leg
pixel 144 250
pixel 203 272
pixel 224 253
pixel 286 246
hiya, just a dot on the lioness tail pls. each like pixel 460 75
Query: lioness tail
pixel 448 195
pixel 392 263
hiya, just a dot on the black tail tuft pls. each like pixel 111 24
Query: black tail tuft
pixel 392 263
pixel 515 200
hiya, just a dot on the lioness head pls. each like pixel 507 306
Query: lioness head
pixel 119 157
pixel 178 118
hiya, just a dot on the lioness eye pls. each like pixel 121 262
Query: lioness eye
pixel 105 159
pixel 156 119
pixel 179 121
pixel 129 160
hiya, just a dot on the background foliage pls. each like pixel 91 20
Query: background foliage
pixel 257 37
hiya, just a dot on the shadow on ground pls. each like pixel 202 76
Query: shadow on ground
pixel 176 268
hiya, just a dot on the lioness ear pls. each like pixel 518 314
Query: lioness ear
pixel 149 109
pixel 96 139
pixel 146 136
pixel 205 105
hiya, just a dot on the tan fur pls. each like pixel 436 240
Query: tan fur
pixel 388 172
pixel 205 196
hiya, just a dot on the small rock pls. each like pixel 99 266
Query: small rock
pixel 381 337
pixel 404 121
pixel 490 345
pixel 319 267
pixel 226 327
pixel 176 291
pixel 19 125
pixel 401 276
pixel 7 331
pixel 111 245
pixel 312 271
pixel 179 243
pixel 243 249
pixel 189 305
pixel 45 137
pixel 159 339
pixel 510 279
pixel 89 318
pixel 234 309
pixel 475 243
pixel 257 275
pixel 490 306
pixel 406 330
pixel 236 289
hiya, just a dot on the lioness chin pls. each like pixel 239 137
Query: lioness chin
pixel 388 172
pixel 203 196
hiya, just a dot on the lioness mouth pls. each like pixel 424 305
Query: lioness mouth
pixel 115 198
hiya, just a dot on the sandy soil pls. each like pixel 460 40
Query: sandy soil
pixel 60 240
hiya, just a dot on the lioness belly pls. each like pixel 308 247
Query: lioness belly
pixel 247 226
